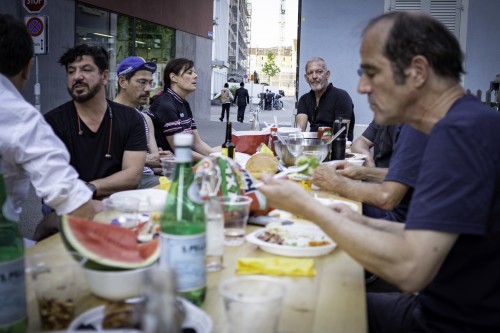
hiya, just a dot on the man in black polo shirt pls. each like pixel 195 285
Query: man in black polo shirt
pixel 324 103
pixel 106 140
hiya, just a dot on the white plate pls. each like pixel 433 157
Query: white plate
pixel 356 156
pixel 293 251
pixel 153 198
pixel 327 202
pixel 240 158
pixel 195 318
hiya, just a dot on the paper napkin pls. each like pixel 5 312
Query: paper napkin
pixel 276 266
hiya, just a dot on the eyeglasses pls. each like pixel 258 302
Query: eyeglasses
pixel 315 115
pixel 145 83
pixel 360 72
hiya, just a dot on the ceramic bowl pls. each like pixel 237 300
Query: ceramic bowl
pixel 116 285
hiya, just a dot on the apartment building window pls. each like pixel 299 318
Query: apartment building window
pixel 452 13
pixel 124 36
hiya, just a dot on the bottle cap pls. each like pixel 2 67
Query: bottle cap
pixel 183 140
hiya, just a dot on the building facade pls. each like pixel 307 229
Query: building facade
pixel 286 60
pixel 155 30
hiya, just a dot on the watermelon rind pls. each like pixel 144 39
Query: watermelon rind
pixel 72 239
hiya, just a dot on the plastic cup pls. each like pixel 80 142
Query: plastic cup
pixel 252 303
pixel 168 166
pixel 236 210
pixel 121 211
pixel 56 279
pixel 303 180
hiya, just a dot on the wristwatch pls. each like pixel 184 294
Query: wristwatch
pixel 92 188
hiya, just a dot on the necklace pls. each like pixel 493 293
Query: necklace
pixel 110 113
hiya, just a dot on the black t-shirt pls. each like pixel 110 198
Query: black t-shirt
pixel 88 150
pixel 334 103
pixel 171 114
pixel 383 138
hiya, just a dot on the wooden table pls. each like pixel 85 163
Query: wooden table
pixel 331 301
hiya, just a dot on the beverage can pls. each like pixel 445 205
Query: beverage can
pixel 324 133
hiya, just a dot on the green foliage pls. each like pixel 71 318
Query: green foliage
pixel 232 89
pixel 270 68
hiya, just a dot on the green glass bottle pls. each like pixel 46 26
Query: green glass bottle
pixel 183 242
pixel 12 280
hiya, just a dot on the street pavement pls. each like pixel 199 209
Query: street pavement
pixel 213 131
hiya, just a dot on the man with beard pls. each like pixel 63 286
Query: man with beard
pixel 135 81
pixel 324 103
pixel 106 140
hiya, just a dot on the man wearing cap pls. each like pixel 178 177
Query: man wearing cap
pixel 135 81
pixel 106 140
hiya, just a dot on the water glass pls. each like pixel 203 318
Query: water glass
pixel 168 166
pixel 236 210
pixel 252 303
pixel 56 279
pixel 295 143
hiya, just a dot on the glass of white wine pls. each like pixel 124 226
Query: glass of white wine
pixel 295 143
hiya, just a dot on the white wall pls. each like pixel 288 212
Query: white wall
pixel 332 30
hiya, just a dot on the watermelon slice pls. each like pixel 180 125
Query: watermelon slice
pixel 107 246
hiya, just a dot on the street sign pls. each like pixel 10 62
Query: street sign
pixel 37 27
pixel 34 6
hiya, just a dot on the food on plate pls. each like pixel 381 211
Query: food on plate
pixel 120 315
pixel 107 246
pixel 294 237
pixel 261 163
pixel 311 160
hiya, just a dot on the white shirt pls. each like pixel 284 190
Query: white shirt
pixel 32 152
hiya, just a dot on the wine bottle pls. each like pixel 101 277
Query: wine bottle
pixel 12 281
pixel 183 226
pixel 228 147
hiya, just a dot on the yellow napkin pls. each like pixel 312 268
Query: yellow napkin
pixel 276 266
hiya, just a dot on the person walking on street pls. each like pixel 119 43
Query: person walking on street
pixel 225 97
pixel 241 99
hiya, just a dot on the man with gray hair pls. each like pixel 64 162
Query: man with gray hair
pixel 446 256
pixel 324 103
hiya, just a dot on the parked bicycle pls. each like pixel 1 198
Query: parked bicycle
pixel 277 102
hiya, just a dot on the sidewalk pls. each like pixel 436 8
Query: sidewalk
pixel 213 131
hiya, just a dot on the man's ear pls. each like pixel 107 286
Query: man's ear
pixel 122 81
pixel 419 70
pixel 25 73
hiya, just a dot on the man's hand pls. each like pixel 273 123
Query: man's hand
pixel 327 176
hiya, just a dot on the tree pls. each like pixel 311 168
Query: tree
pixel 270 68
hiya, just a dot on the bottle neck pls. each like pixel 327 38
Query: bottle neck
pixel 228 132
pixel 183 155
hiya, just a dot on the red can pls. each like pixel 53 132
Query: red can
pixel 324 133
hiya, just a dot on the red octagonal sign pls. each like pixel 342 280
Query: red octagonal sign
pixel 34 6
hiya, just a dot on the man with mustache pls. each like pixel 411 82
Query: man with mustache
pixel 106 140
pixel 135 81
pixel 324 103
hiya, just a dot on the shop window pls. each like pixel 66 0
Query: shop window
pixel 124 36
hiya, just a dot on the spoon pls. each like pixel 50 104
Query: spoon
pixel 336 135
pixel 292 169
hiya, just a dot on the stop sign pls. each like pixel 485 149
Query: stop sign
pixel 34 6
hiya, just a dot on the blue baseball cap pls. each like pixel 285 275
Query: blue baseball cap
pixel 134 64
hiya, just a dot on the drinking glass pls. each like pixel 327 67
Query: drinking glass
pixel 295 143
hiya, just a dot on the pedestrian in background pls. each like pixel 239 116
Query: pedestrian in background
pixel 241 99
pixel 225 97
